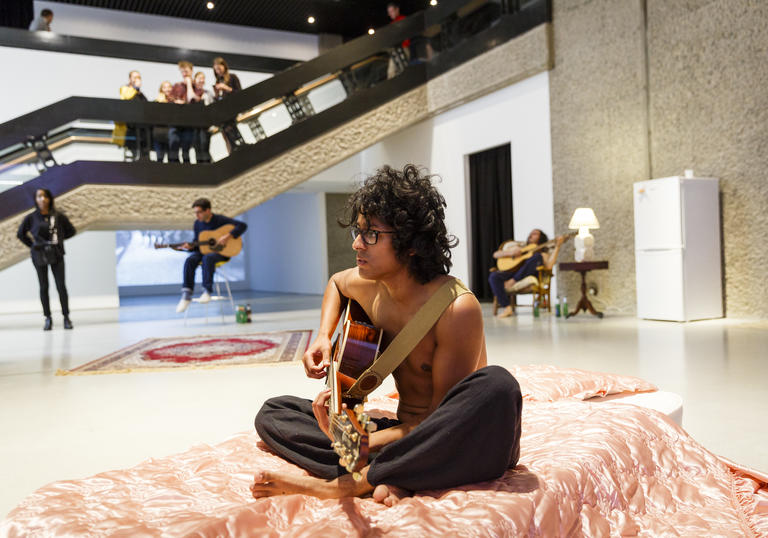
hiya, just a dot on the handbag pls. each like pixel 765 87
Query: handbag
pixel 50 253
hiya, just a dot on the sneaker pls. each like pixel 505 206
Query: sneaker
pixel 183 305
pixel 205 297
pixel 186 298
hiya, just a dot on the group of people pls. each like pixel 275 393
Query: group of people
pixel 172 141
pixel 451 402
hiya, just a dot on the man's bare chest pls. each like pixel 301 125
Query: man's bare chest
pixel 419 360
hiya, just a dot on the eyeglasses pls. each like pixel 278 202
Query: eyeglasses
pixel 370 237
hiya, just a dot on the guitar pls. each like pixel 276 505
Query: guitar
pixel 511 264
pixel 354 350
pixel 207 242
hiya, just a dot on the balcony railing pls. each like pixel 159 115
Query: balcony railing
pixel 46 147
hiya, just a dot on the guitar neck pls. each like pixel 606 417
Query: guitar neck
pixel 553 242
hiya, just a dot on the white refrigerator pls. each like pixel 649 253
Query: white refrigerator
pixel 677 249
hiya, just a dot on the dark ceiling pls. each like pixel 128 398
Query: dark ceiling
pixel 349 18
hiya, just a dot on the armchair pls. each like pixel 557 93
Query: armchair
pixel 538 286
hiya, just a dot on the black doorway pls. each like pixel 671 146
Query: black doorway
pixel 490 188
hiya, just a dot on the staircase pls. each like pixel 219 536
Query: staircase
pixel 513 45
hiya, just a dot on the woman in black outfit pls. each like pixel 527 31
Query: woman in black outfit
pixel 226 83
pixel 44 231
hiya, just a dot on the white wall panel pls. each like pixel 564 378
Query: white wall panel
pixel 286 244
pixel 519 115
pixel 90 277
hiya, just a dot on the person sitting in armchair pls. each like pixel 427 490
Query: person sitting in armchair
pixel 502 281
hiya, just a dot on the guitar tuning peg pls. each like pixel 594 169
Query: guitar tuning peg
pixel 371 427
pixel 359 409
pixel 354 437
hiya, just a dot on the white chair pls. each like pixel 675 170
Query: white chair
pixel 220 285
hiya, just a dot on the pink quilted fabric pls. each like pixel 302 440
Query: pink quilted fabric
pixel 585 470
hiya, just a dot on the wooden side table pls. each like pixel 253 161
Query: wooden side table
pixel 584 268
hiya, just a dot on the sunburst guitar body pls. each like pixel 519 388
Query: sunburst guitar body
pixel 354 350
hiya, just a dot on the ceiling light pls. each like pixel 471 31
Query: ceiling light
pixel 371 31
pixel 432 2
pixel 209 5
pixel 311 19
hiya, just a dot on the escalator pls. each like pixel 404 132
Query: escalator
pixel 290 127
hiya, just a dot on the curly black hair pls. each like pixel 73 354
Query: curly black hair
pixel 409 203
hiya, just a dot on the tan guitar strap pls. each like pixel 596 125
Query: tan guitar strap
pixel 406 339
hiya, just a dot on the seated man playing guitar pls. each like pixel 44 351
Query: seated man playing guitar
pixel 205 220
pixel 532 255
pixel 458 419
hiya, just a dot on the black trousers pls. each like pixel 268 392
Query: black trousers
pixel 58 275
pixel 473 436
pixel 180 138
pixel 208 262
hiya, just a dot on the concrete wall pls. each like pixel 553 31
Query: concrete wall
pixel 599 134
pixel 340 253
pixel 709 112
pixel 633 100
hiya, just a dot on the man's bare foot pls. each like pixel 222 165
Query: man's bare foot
pixel 389 495
pixel 507 312
pixel 269 483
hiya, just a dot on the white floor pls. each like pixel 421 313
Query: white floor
pixel 56 428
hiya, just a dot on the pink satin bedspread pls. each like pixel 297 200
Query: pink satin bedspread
pixel 586 469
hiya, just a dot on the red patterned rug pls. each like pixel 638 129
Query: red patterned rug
pixel 184 352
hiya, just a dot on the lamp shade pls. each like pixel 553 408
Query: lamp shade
pixel 583 217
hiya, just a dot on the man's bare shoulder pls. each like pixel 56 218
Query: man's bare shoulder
pixel 463 310
pixel 352 285
pixel 462 313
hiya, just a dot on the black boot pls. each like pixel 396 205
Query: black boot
pixel 67 323
pixel 48 324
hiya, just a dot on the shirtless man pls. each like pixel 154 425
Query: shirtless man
pixel 458 420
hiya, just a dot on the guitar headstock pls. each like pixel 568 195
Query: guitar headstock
pixel 350 430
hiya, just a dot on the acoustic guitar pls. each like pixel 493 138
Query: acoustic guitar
pixel 512 264
pixel 207 242
pixel 355 349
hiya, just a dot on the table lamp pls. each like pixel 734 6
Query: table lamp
pixel 583 219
